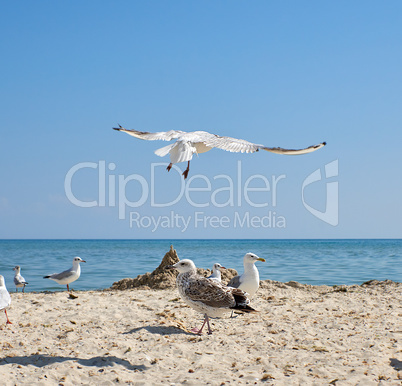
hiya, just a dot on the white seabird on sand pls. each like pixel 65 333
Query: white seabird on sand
pixel 67 277
pixel 19 281
pixel 216 272
pixel 249 281
pixel 5 298
pixel 189 143
pixel 207 296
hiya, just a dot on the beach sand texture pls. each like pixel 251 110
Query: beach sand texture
pixel 303 335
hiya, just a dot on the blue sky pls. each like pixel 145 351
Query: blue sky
pixel 288 74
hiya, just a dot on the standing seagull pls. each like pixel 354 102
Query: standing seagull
pixel 250 280
pixel 19 281
pixel 207 296
pixel 5 298
pixel 196 142
pixel 67 277
pixel 216 272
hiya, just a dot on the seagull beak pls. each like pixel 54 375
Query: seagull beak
pixel 170 267
pixel 83 261
pixel 261 259
pixel 223 267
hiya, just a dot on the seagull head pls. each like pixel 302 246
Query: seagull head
pixel 183 266
pixel 17 268
pixel 2 283
pixel 78 260
pixel 251 258
pixel 217 267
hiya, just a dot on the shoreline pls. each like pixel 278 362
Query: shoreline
pixel 290 283
pixel 304 334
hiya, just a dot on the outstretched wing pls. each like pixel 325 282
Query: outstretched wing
pixel 162 135
pixel 232 144
pixel 279 150
pixel 243 146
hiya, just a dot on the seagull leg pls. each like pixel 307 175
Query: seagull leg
pixel 185 173
pixel 199 331
pixel 16 289
pixel 169 167
pixel 23 288
pixel 68 289
pixel 232 316
pixel 8 320
pixel 209 327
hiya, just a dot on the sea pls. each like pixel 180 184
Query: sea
pixel 317 262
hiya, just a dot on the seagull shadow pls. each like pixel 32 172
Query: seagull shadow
pixel 45 360
pixel 160 330
pixel 396 364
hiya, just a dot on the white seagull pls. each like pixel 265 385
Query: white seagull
pixel 207 296
pixel 249 281
pixel 19 281
pixel 216 272
pixel 67 277
pixel 189 143
pixel 5 298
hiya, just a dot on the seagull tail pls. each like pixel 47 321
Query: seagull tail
pixel 243 308
pixel 241 301
pixel 45 277
pixel 164 150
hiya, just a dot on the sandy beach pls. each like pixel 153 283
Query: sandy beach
pixel 303 335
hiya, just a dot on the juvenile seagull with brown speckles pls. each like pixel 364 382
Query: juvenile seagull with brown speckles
pixel 207 296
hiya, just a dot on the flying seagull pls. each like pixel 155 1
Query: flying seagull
pixel 5 298
pixel 216 272
pixel 249 281
pixel 19 281
pixel 207 296
pixel 189 143
pixel 67 277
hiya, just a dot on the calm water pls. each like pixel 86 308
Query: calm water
pixel 307 261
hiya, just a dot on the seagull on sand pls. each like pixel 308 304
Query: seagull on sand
pixel 5 298
pixel 216 272
pixel 250 280
pixel 207 296
pixel 19 281
pixel 196 142
pixel 67 277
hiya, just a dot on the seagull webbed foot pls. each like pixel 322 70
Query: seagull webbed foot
pixel 196 331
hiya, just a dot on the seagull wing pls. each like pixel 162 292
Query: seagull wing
pixel 162 135
pixel 209 292
pixel 234 282
pixel 279 150
pixel 19 280
pixel 62 275
pixel 243 146
pixel 232 144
